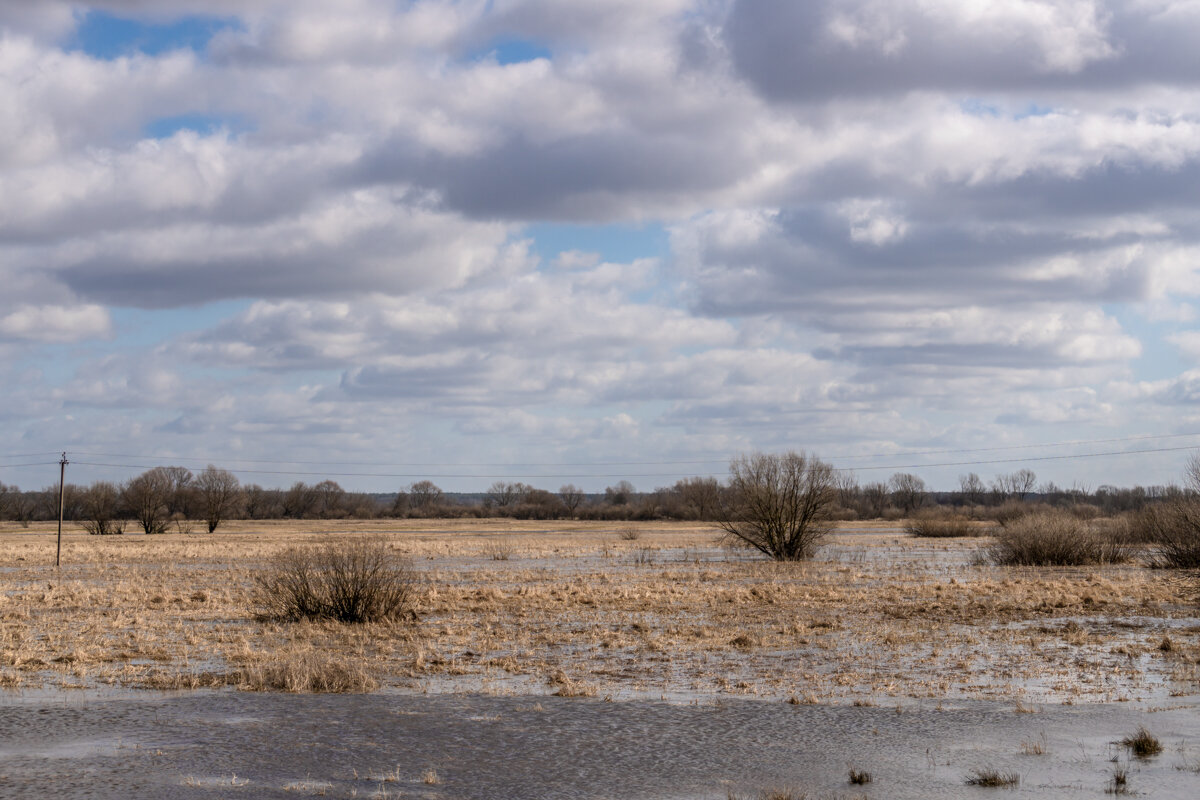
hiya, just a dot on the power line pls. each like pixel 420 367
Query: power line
pixel 1066 457
pixel 720 460
pixel 34 464
pixel 560 475
pixel 30 455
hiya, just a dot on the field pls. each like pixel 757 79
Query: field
pixel 590 610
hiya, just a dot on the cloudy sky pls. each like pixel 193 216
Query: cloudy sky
pixel 578 241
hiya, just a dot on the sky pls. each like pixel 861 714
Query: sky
pixel 381 241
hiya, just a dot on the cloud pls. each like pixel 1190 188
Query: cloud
pixel 55 324
pixel 814 51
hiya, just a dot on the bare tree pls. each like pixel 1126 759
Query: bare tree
pixel 779 504
pixel 148 498
pixel 101 509
pixel 620 494
pixel 1015 485
pixel 1191 473
pixel 219 495
pixel 300 501
pixel 971 487
pixel 701 496
pixel 424 497
pixel 875 495
pixel 908 491
pixel 331 498
pixel 572 497
pixel 179 490
pixel 7 493
pixel 846 483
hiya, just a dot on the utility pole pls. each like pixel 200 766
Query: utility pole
pixel 62 474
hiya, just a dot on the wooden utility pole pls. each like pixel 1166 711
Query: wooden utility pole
pixel 62 474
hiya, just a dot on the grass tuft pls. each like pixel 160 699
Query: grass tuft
pixel 993 778
pixel 1142 743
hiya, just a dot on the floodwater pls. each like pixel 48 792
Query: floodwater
pixel 229 744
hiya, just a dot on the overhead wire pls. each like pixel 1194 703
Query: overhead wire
pixel 717 460
pixel 561 475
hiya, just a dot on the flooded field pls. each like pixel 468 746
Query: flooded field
pixel 552 660
pixel 228 744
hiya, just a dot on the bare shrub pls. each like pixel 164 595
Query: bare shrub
pixel 630 534
pixel 1173 528
pixel 101 509
pixel 1053 538
pixel 939 523
pixel 779 505
pixel 356 581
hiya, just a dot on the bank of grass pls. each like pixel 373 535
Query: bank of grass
pixel 1053 538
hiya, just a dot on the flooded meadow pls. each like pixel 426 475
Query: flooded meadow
pixel 582 660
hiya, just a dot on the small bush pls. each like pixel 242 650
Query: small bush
pixel 356 581
pixel 1173 528
pixel 1053 538
pixel 630 534
pixel 940 524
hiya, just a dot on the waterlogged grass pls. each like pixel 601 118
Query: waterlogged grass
pixel 577 609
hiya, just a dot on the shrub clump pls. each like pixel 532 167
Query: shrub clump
pixel 940 524
pixel 1173 529
pixel 1053 538
pixel 356 581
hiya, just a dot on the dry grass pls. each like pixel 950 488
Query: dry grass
pixel 993 778
pixel 176 611
pixel 940 524
pixel 1143 744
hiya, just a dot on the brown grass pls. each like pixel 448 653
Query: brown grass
pixel 879 615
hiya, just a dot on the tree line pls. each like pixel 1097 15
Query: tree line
pixel 173 498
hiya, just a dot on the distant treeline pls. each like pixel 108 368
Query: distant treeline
pixel 174 498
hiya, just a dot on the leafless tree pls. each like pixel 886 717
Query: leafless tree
pixel 331 499
pixel 572 497
pixel 908 491
pixel 875 495
pixel 779 505
pixel 424 497
pixel 846 483
pixel 701 496
pixel 1015 485
pixel 971 487
pixel 1191 473
pixel 300 501
pixel 179 490
pixel 101 509
pixel 620 494
pixel 148 498
pixel 219 495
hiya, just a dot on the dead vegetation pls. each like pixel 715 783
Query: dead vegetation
pixel 1053 538
pixel 879 615
pixel 360 580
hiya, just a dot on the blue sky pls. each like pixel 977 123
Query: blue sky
pixel 551 238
